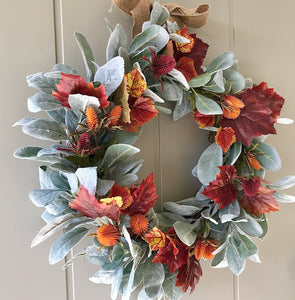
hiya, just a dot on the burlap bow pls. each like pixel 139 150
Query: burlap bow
pixel 140 10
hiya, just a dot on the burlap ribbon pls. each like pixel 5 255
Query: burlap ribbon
pixel 140 10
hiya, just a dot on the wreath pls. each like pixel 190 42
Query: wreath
pixel 89 190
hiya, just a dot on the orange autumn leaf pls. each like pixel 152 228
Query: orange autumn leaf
pixel 200 248
pixel 231 107
pixel 124 192
pixel 136 84
pixel 225 137
pixel 186 66
pixel 184 47
pixel 155 238
pixel 107 235
pixel 91 118
pixel 139 224
pixel 210 248
pixel 205 248
pixel 204 120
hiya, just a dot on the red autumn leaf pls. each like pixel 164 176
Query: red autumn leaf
pixel 73 84
pixel 168 50
pixel 144 197
pixel 231 106
pixel 136 84
pixel 88 206
pixel 225 137
pixel 124 192
pixel 262 202
pixel 184 47
pixel 222 190
pixel 174 253
pixel 143 110
pixel 155 238
pixel 251 185
pixel 275 102
pixel 204 120
pixel 197 54
pixel 255 118
pixel 186 66
pixel 189 274
pixel 162 65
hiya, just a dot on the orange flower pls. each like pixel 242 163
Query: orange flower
pixel 114 115
pixel 231 106
pixel 184 47
pixel 252 160
pixel 91 118
pixel 205 248
pixel 139 224
pixel 107 235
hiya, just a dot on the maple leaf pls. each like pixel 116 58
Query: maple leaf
pixel 231 106
pixel 143 110
pixel 136 84
pixel 124 192
pixel 88 206
pixel 186 66
pixel 225 137
pixel 222 190
pixel 189 274
pixel 74 84
pixel 255 118
pixel 155 238
pixel 204 120
pixel 184 47
pixel 262 202
pixel 251 185
pixel 144 197
pixel 275 102
pixel 174 253
pixel 197 54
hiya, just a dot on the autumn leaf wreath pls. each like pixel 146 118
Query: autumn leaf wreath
pixel 88 185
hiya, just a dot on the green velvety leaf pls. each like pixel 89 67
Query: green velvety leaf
pixel 280 197
pixel 88 178
pixel 42 101
pixel 206 169
pixel 206 105
pixel 116 282
pixel 159 14
pixel 71 121
pixel 234 81
pixel 244 245
pixel 42 83
pixel 117 40
pixel 267 156
pixel 87 55
pixel 234 153
pixel 251 227
pixel 220 259
pixel 116 154
pixel 186 232
pixel 172 292
pixel 111 74
pixel 171 92
pixel 127 63
pixel 182 210
pixel 200 80
pixel 235 262
pixel 284 183
pixel 49 229
pixel 181 109
pixel 24 121
pixel 230 212
pixel 27 152
pixel 154 35
pixel 65 243
pixel 64 68
pixel 221 62
pixel 153 278
pixel 59 206
pixel 97 257
pixel 43 197
pixel 45 130
pixel 179 77
pixel 103 186
pixel 58 115
pixel 216 85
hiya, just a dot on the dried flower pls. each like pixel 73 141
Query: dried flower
pixel 107 235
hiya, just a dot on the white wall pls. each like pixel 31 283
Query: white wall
pixel 263 38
